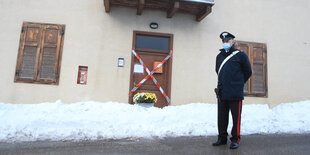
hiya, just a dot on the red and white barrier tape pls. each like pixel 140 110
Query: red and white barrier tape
pixel 150 74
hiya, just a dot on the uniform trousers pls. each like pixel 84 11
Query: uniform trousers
pixel 235 106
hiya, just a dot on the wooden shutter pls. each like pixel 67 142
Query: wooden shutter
pixel 50 53
pixel 39 53
pixel 29 52
pixel 257 84
pixel 259 70
pixel 245 47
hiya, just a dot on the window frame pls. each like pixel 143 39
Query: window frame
pixel 39 59
pixel 154 34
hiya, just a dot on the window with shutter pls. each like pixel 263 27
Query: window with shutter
pixel 257 53
pixel 39 54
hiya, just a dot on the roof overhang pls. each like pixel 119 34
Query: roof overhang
pixel 199 8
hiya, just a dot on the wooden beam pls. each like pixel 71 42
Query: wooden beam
pixel 107 5
pixel 200 16
pixel 173 9
pixel 140 7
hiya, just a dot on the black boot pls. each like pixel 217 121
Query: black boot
pixel 220 142
pixel 234 145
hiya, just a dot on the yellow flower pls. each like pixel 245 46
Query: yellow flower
pixel 145 97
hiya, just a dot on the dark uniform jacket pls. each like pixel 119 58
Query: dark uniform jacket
pixel 235 72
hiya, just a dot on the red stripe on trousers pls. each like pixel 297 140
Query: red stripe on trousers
pixel 238 124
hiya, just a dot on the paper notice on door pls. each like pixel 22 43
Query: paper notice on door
pixel 138 68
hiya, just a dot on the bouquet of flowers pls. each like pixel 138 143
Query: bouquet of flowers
pixel 145 98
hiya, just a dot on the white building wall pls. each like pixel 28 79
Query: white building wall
pixel 97 39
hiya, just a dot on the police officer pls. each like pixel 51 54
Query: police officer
pixel 233 69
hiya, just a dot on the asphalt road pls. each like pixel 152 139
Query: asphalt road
pixel 249 145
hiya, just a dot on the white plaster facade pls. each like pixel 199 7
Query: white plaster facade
pixel 97 39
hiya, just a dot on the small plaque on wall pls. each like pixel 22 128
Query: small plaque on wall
pixel 155 64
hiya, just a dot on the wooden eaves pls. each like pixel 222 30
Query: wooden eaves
pixel 199 8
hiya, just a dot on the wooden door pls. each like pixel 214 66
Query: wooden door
pixel 152 49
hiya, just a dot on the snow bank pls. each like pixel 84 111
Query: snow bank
pixel 95 120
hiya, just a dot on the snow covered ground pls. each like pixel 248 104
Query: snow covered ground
pixel 95 120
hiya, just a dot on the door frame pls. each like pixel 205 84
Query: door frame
pixel 168 35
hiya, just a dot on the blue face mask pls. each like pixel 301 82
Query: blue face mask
pixel 226 46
